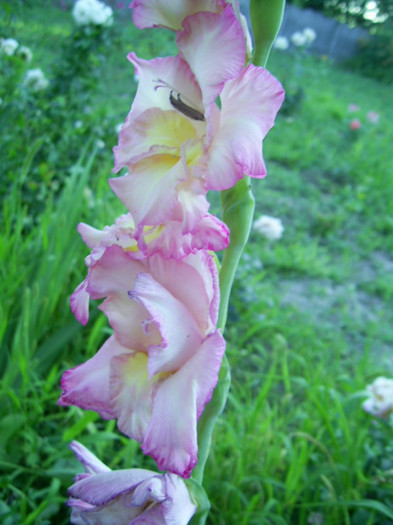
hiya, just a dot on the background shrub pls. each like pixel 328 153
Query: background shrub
pixel 375 56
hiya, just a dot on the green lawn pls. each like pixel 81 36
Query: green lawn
pixel 310 322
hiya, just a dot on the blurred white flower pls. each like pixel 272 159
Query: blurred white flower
pixel 94 12
pixel 25 53
pixel 78 124
pixel 269 227
pixel 36 80
pixel 309 34
pixel 118 127
pixel 100 144
pixel 373 117
pixel 281 42
pixel 103 16
pixel 298 39
pixel 81 13
pixel 380 401
pixel 8 46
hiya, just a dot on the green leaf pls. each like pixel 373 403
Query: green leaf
pixel 49 352
pixel 76 429
pixel 9 426
pixel 370 504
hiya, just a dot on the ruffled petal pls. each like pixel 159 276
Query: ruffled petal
pixel 206 267
pixel 200 275
pixel 193 205
pixel 113 276
pixel 149 193
pixel 176 508
pixel 113 512
pixel 87 385
pixel 157 78
pixel 90 462
pixel 132 393
pixel 161 13
pixel 182 509
pixel 181 335
pixel 172 440
pixel 166 239
pixel 90 236
pixel 249 105
pixel 153 132
pixel 79 302
pixel 214 47
pixel 122 233
pixel 133 497
pixel 102 488
pixel 171 243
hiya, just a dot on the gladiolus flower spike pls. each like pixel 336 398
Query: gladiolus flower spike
pixel 196 124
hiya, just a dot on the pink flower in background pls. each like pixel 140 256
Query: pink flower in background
pixel 352 108
pixel 176 143
pixel 164 357
pixel 373 117
pixel 355 124
pixel 101 496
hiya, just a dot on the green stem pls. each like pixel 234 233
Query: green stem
pixel 208 419
pixel 266 16
pixel 238 210
pixel 238 205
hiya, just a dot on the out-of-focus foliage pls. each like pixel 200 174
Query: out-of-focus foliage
pixel 60 114
pixel 350 11
pixel 375 56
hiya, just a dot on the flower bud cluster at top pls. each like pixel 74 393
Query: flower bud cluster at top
pixel 154 267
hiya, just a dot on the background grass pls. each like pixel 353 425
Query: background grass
pixel 310 321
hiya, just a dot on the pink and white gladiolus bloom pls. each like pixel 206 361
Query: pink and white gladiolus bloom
pixel 160 13
pixel 101 496
pixel 176 142
pixel 158 370
pixel 167 239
